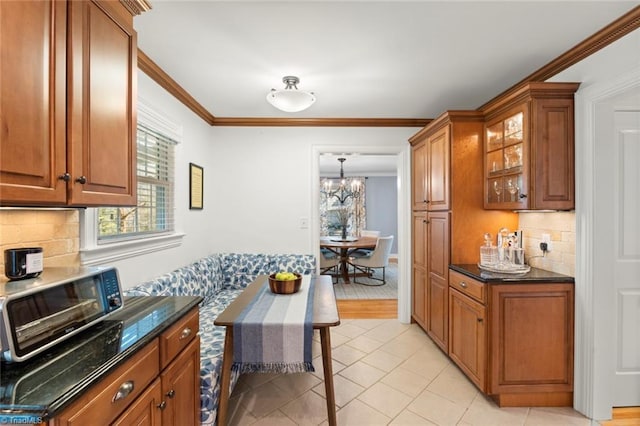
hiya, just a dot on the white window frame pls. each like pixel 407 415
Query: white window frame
pixel 93 252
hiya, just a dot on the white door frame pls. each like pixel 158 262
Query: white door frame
pixel 593 378
pixel 403 165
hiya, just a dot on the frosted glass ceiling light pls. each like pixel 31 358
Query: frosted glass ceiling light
pixel 290 99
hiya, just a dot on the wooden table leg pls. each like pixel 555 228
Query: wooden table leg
pixel 344 266
pixel 225 377
pixel 325 343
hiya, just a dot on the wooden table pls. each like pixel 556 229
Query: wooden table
pixel 345 248
pixel 325 316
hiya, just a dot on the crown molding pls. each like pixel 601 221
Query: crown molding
pixel 157 74
pixel 320 122
pixel 136 7
pixel 622 26
pixel 446 118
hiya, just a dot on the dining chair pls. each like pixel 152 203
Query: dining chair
pixel 329 265
pixel 379 259
pixel 364 252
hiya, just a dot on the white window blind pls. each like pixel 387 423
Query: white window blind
pixel 154 212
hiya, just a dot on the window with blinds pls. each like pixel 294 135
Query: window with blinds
pixel 154 212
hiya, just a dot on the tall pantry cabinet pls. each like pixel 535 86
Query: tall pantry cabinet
pixel 449 220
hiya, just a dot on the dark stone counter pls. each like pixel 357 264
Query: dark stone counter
pixel 534 276
pixel 37 389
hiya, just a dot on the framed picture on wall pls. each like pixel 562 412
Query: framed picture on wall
pixel 196 183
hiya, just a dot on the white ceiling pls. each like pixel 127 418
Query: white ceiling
pixel 362 59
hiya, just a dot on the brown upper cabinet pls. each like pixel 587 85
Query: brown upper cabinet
pixel 529 149
pixel 430 158
pixel 67 93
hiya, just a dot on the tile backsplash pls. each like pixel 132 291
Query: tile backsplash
pixel 56 231
pixel 561 226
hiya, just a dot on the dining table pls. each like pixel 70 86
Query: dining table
pixel 343 248
pixel 325 316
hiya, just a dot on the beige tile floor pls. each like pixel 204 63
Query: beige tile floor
pixel 385 373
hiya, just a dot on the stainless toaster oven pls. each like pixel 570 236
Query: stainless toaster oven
pixel 38 313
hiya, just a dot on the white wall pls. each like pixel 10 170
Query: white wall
pixel 264 182
pixel 258 184
pixel 382 207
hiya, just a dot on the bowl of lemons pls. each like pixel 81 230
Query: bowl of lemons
pixel 284 282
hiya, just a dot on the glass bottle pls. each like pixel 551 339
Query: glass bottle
pixel 488 252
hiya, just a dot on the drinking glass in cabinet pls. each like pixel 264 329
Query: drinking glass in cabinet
pixel 494 162
pixel 495 190
pixel 513 129
pixel 494 137
pixel 513 188
pixel 513 156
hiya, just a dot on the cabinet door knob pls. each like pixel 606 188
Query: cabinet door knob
pixel 426 201
pixel 123 391
pixel 185 333
pixel 523 195
pixel 171 393
pixel 463 284
pixel 479 319
pixel 82 180
pixel 162 405
pixel 65 177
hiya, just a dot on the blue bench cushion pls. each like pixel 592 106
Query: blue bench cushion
pixel 219 279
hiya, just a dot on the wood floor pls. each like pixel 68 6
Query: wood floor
pixel 624 416
pixel 368 308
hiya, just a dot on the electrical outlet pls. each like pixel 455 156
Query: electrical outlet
pixel 546 238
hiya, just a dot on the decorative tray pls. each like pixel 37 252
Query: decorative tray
pixel 340 240
pixel 503 269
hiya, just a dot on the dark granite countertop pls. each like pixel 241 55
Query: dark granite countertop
pixel 535 275
pixel 38 389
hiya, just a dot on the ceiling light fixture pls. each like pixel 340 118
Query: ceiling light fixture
pixel 290 99
pixel 347 188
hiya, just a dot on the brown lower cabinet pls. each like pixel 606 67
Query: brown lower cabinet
pixel 514 340
pixel 158 385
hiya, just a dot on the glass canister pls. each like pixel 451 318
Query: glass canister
pixel 488 252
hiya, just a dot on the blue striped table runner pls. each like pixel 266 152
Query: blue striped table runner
pixel 273 333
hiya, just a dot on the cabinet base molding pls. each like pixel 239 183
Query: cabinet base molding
pixel 534 399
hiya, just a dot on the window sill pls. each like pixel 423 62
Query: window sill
pixel 111 252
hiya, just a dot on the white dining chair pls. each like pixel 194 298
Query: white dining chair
pixel 369 233
pixel 379 259
pixel 329 265
pixel 364 252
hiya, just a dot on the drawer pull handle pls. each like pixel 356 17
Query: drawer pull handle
pixel 463 284
pixel 185 333
pixel 171 393
pixel 125 389
pixel 162 405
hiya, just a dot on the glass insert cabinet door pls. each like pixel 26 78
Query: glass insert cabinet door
pixel 505 177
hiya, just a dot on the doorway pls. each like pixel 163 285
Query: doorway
pixel 608 247
pixel 401 163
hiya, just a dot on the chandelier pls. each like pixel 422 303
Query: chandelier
pixel 290 99
pixel 345 190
